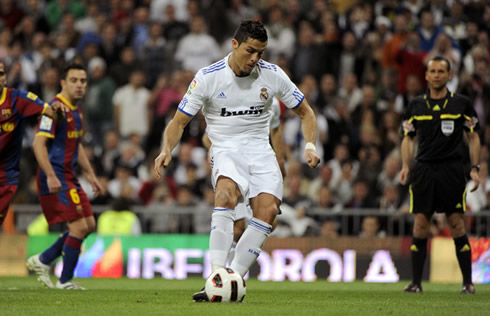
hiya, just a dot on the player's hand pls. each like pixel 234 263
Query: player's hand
pixel 54 184
pixel 475 176
pixel 312 158
pixel 163 160
pixel 60 110
pixel 96 186
pixel 404 175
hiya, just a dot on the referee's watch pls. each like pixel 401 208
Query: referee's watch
pixel 477 167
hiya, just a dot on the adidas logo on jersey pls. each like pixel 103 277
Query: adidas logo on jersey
pixel 221 96
pixel 253 110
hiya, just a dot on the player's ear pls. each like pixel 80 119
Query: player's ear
pixel 234 43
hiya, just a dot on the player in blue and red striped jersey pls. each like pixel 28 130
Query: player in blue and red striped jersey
pixel 58 149
pixel 15 107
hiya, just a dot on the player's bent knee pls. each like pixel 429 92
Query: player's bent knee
pixel 225 198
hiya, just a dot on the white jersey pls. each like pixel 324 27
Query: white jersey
pixel 238 109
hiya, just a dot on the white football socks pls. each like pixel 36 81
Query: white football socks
pixel 250 245
pixel 221 236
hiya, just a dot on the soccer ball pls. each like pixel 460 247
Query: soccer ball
pixel 225 285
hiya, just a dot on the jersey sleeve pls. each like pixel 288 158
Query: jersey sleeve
pixel 29 104
pixel 46 127
pixel 408 123
pixel 195 96
pixel 471 122
pixel 287 90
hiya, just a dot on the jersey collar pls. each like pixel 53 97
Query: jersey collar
pixel 4 95
pixel 65 101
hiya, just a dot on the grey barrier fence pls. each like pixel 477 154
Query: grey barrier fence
pixel 347 221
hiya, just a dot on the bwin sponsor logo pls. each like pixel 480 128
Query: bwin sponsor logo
pixel 252 110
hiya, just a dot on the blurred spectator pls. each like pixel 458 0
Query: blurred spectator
pixel 350 91
pixel 396 42
pixel 329 229
pixel 360 196
pixel 410 61
pixel 131 109
pixel 154 53
pixel 197 49
pixel 159 7
pixel 122 70
pixel 370 227
pixel 173 28
pixel 124 184
pixel 324 178
pixel 428 30
pixel 98 100
pixel 119 221
pixel 389 132
pixel 413 88
pixel 281 37
pixel 55 10
pixel 389 174
pixel 10 13
pixel 108 46
pixel 340 128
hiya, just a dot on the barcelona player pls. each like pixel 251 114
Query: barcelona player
pixel 15 107
pixel 58 149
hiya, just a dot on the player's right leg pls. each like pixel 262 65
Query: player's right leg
pixel 7 192
pixel 222 220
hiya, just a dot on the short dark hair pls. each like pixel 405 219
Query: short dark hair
pixel 441 58
pixel 72 66
pixel 252 29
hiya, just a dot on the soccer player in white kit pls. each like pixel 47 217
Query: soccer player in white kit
pixel 235 96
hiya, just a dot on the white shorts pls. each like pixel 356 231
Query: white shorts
pixel 253 173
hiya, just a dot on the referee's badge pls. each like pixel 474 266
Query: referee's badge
pixel 447 127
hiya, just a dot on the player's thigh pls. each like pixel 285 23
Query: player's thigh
pixel 265 176
pixel 230 165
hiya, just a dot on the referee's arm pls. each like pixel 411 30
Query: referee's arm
pixel 474 146
pixel 407 157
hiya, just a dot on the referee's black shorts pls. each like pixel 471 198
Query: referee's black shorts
pixel 438 187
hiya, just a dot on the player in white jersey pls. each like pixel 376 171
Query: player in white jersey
pixel 235 96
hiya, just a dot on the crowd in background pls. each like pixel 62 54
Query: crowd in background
pixel 358 67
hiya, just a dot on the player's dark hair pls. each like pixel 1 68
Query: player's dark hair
pixel 72 66
pixel 441 58
pixel 250 29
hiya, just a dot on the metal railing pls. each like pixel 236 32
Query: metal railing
pixel 348 221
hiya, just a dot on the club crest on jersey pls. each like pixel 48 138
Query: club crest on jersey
pixel 264 95
pixel 447 127
pixel 6 113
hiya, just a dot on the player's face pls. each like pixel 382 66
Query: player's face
pixel 247 54
pixel 75 84
pixel 3 76
pixel 437 74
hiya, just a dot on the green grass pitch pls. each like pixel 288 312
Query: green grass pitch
pixel 25 296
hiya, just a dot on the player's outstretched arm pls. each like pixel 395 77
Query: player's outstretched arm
pixel 407 157
pixel 474 146
pixel 308 126
pixel 41 153
pixel 171 137
pixel 87 168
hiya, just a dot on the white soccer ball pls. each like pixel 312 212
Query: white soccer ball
pixel 225 285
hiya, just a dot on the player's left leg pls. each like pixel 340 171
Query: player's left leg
pixel 78 230
pixel 265 207
pixel 463 249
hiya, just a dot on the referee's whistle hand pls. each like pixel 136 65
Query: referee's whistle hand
pixel 475 176
pixel 403 176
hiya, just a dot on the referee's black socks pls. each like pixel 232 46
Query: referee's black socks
pixel 463 252
pixel 419 253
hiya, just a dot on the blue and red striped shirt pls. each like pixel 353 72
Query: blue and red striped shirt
pixel 64 137
pixel 15 107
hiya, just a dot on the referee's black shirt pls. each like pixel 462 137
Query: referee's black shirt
pixel 439 124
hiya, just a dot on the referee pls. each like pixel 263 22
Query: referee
pixel 438 178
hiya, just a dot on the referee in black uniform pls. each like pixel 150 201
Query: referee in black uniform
pixel 438 178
